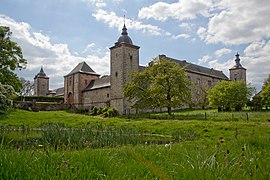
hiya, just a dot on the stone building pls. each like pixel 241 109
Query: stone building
pixel 84 87
pixel 41 84
pixel 237 72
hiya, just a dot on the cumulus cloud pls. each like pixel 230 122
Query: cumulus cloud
pixel 236 23
pixel 185 36
pixel 256 60
pixel 115 21
pixel 222 52
pixel 55 58
pixel 204 59
pixel 97 3
pixel 181 10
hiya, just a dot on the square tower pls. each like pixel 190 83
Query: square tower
pixel 41 84
pixel 124 60
pixel 237 72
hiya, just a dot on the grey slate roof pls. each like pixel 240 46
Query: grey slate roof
pixel 193 68
pixel 84 68
pixel 99 83
pixel 124 38
pixel 41 73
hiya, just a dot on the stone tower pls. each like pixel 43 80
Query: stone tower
pixel 124 61
pixel 41 84
pixel 237 72
pixel 76 81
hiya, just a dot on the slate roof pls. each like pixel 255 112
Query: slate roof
pixel 124 38
pixel 82 67
pixel 193 68
pixel 99 83
pixel 41 73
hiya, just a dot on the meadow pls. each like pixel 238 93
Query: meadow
pixel 189 145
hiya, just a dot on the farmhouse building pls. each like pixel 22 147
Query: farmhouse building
pixel 84 87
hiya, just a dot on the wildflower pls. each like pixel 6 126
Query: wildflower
pixel 40 146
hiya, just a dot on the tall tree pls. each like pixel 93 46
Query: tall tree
pixel 11 58
pixel 163 84
pixel 229 95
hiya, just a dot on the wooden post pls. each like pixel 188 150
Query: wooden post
pixel 247 116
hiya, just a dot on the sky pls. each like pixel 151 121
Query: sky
pixel 59 34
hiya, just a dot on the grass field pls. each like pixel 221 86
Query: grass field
pixel 204 145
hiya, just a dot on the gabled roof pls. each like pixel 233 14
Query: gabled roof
pixel 99 83
pixel 83 67
pixel 193 68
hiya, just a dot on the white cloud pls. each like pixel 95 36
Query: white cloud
pixel 186 26
pixel 97 3
pixel 115 21
pixel 257 62
pixel 237 23
pixel 181 10
pixel 222 52
pixel 55 58
pixel 204 59
pixel 185 36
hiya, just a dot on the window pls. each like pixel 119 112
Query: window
pixel 209 83
pixel 116 74
pixel 130 57
pixel 108 95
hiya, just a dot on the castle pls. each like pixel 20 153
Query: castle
pixel 84 87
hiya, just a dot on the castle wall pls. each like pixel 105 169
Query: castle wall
pixel 97 97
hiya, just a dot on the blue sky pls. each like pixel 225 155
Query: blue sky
pixel 59 34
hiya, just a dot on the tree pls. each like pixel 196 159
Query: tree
pixel 11 58
pixel 265 96
pixel 27 87
pixel 266 82
pixel 163 84
pixel 199 97
pixel 6 94
pixel 229 95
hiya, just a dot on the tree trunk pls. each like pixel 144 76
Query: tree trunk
pixel 169 110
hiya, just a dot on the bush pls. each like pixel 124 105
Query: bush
pixel 106 111
pixel 40 99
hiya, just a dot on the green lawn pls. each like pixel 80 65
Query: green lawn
pixel 61 145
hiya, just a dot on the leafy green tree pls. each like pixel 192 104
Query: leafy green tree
pixel 229 95
pixel 266 82
pixel 11 58
pixel 265 96
pixel 6 94
pixel 163 84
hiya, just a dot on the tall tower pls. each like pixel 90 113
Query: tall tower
pixel 124 61
pixel 41 84
pixel 237 72
pixel 76 81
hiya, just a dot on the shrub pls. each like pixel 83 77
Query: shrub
pixel 106 111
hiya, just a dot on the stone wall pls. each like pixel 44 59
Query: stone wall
pixel 98 97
